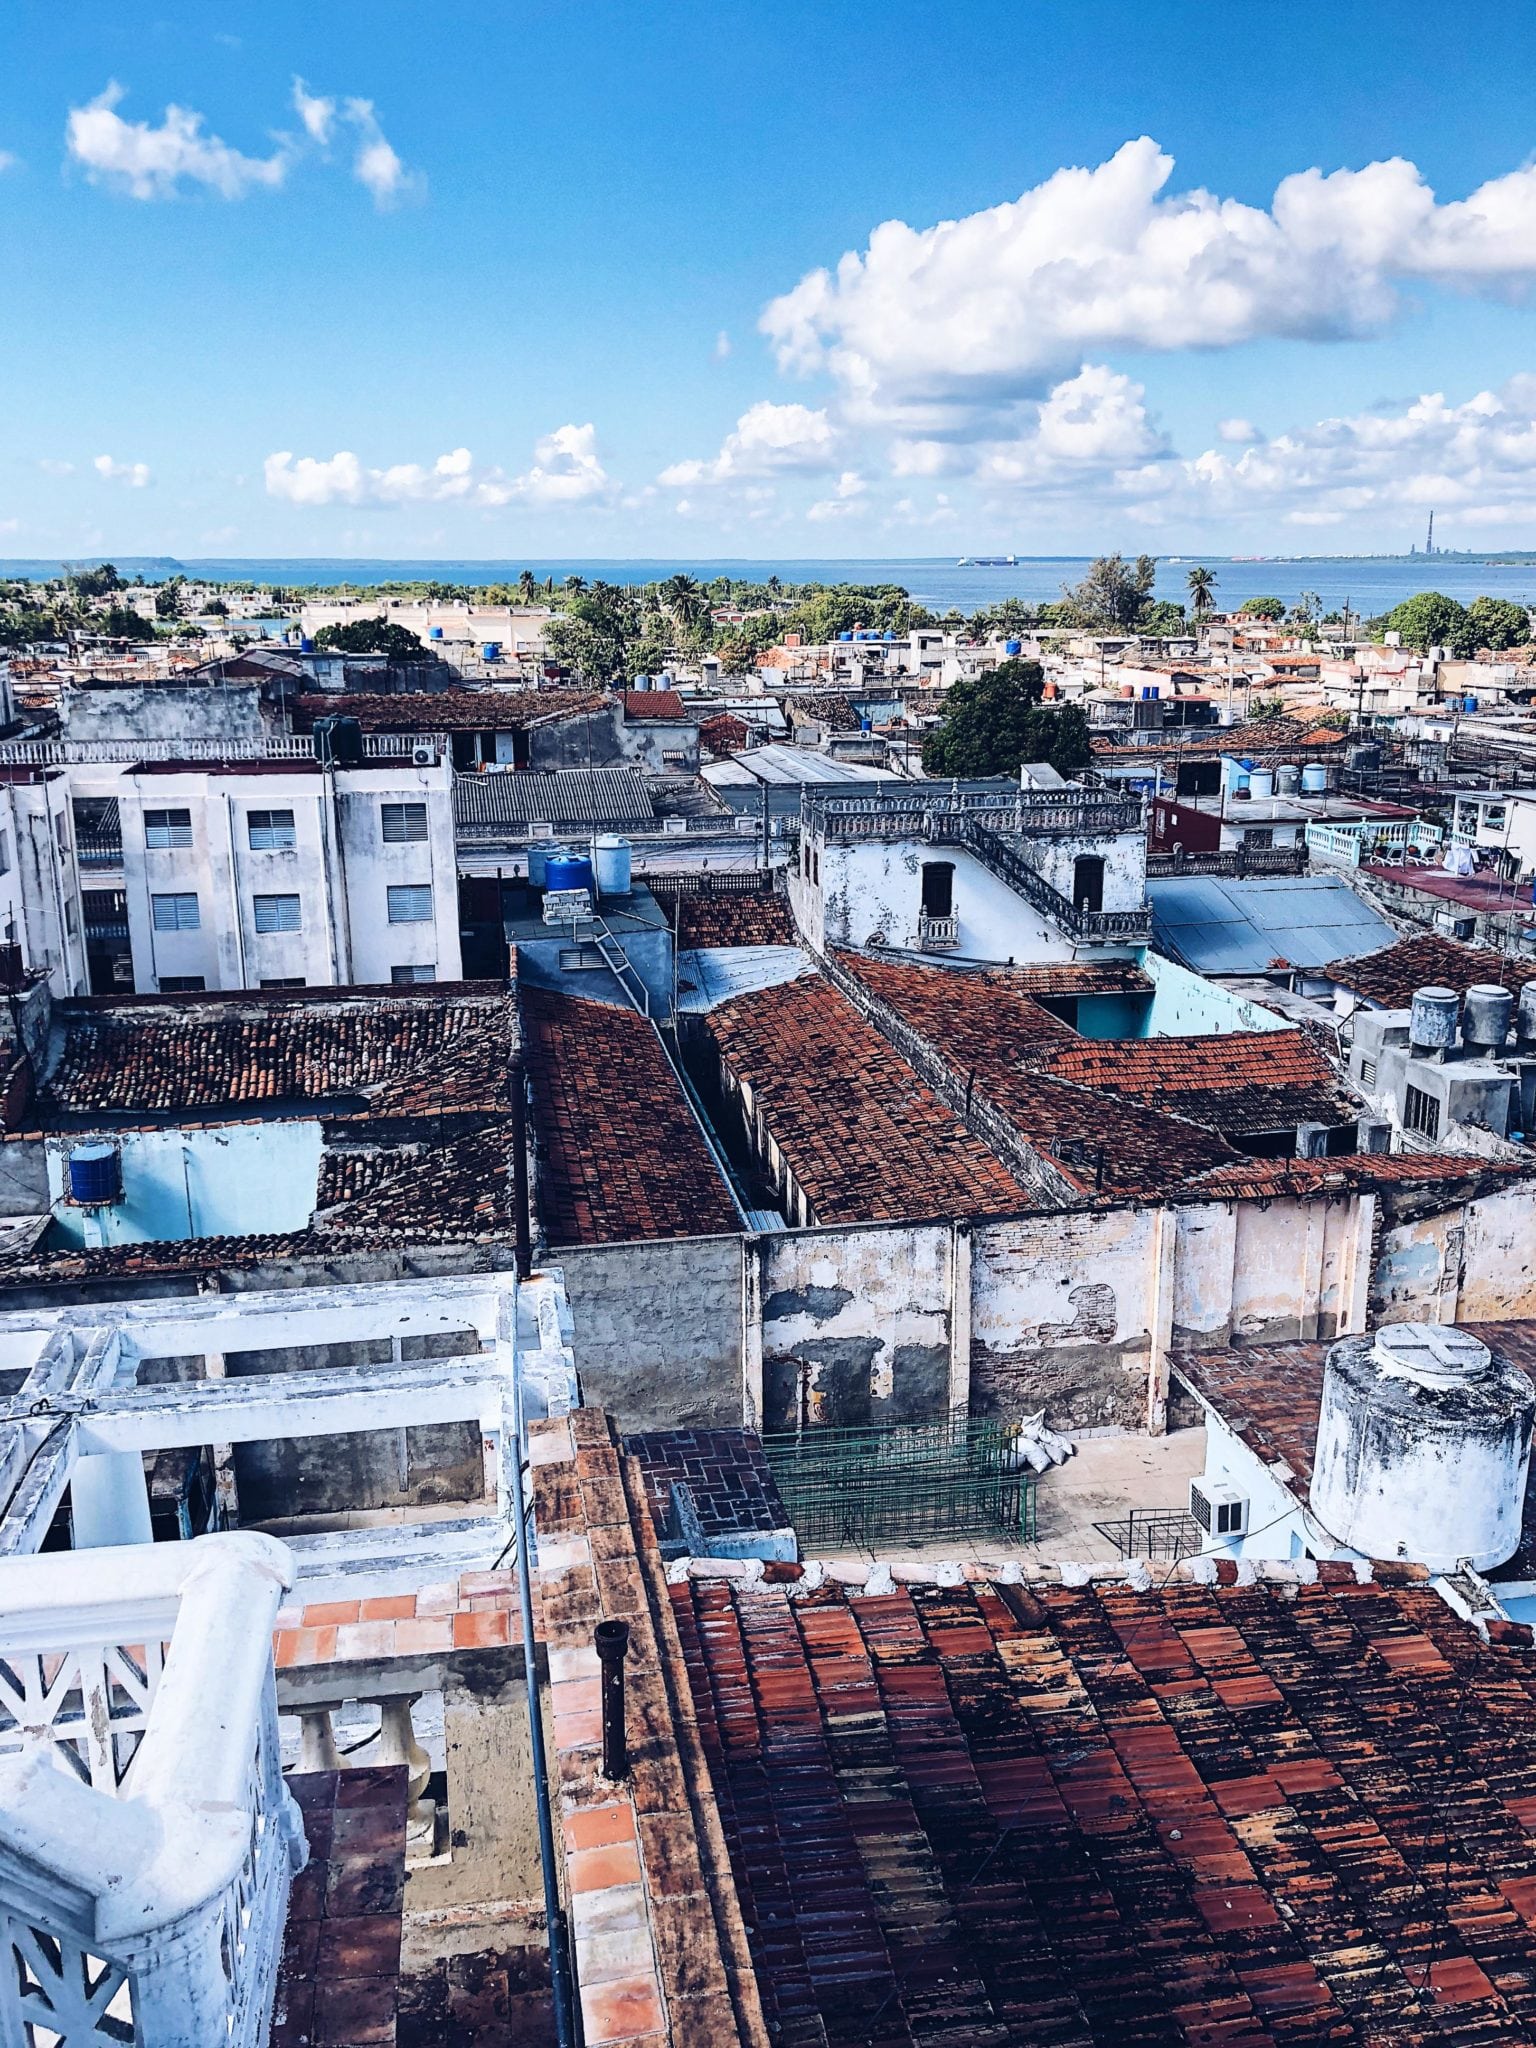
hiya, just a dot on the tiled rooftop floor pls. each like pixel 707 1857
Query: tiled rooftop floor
pixel 338 1983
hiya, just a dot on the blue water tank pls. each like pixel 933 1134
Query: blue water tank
pixel 1013 647
pixel 845 636
pixel 491 651
pixel 95 1175
pixel 306 645
pixel 1469 703
pixel 434 632
pixel 889 633
pixel 866 725
pixel 568 871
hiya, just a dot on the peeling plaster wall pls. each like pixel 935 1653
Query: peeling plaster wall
pixel 659 1330
pixel 1499 1274
pixel 1061 1317
pixel 1185 1004
pixel 1053 856
pixel 857 1326
pixel 877 886
pixel 1289 1270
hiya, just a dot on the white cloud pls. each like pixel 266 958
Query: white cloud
pixel 1473 462
pixel 981 311
pixel 766 440
pixel 53 465
pixel 149 162
pixel 316 112
pixel 1238 431
pixel 9 161
pixel 376 164
pixel 134 474
pixel 722 346
pixel 565 471
pixel 846 493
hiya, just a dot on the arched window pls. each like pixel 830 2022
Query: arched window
pixel 1088 882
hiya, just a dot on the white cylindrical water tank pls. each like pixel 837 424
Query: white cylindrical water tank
pixel 610 863
pixel 1525 1020
pixel 540 853
pixel 1423 1447
pixel 1314 779
pixel 1432 1020
pixel 1261 782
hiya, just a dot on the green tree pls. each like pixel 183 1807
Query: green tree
pixel 1262 608
pixel 216 608
pixel 170 598
pixel 1163 618
pixel 121 622
pixel 373 636
pixel 1201 585
pixel 1430 619
pixel 995 722
pixel 1113 595
pixel 527 587
pixel 98 582
pixel 1495 623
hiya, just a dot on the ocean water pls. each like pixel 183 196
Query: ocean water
pixel 1369 584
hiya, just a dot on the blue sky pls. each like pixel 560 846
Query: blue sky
pixel 525 280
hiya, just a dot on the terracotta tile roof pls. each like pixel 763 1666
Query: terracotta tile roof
pixel 832 713
pixel 723 735
pixel 1250 1815
pixel 1236 1082
pixel 861 1134
pixel 1265 1179
pixel 447 710
pixel 374 1055
pixel 1259 737
pixel 745 920
pixel 1390 977
pixel 987 1031
pixel 621 1157
pixel 664 704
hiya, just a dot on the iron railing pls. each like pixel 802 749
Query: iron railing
pixel 1154 1532
pixel 904 1483
pixel 995 852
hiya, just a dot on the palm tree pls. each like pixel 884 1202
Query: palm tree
pixel 1201 584
pixel 575 585
pixel 527 584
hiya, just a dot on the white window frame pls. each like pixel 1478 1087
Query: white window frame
pixel 276 837
pixel 404 812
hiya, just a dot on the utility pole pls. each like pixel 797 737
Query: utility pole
pixel 1429 545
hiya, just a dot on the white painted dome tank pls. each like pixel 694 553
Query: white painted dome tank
pixel 1423 1447
pixel 612 862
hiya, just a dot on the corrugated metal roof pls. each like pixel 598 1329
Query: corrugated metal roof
pixel 1240 927
pixel 781 764
pixel 707 975
pixel 557 796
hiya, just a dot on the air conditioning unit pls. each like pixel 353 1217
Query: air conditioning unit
pixel 1219 1510
pixel 1455 927
pixel 423 757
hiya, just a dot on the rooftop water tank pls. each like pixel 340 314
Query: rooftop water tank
pixel 540 853
pixel 1314 779
pixel 845 636
pixel 1525 1018
pixel 434 632
pixel 1432 1022
pixel 1013 647
pixel 1423 1447
pixel 1287 778
pixel 1469 703
pixel 490 650
pixel 568 871
pixel 95 1175
pixel 306 645
pixel 1485 1016
pixel 612 865
pixel 1261 782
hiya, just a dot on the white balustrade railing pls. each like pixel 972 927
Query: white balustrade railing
pixel 147 1840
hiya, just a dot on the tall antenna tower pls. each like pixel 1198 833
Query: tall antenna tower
pixel 1429 545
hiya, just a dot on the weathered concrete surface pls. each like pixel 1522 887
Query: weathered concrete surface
pixel 489 1884
pixel 856 1326
pixel 658 1330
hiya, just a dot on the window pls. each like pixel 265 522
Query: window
pixel 411 903
pixel 270 831
pixel 1259 835
pixel 938 888
pixel 1088 882
pixel 276 913
pixel 1421 1113
pixel 402 977
pixel 163 829
pixel 181 984
pixel 174 913
pixel 573 958
pixel 1367 1072
pixel 5 853
pixel 286 981
pixel 403 822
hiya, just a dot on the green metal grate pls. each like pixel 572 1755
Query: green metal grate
pixel 906 1483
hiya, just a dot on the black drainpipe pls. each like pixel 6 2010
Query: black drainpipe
pixel 612 1639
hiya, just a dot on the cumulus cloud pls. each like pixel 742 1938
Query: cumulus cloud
pixel 376 164
pixel 846 493
pixel 317 113
pixel 565 470
pixel 995 306
pixel 768 439
pixel 1239 431
pixel 55 465
pixel 134 474
pixel 149 161
pixel 1474 460
pixel 722 346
